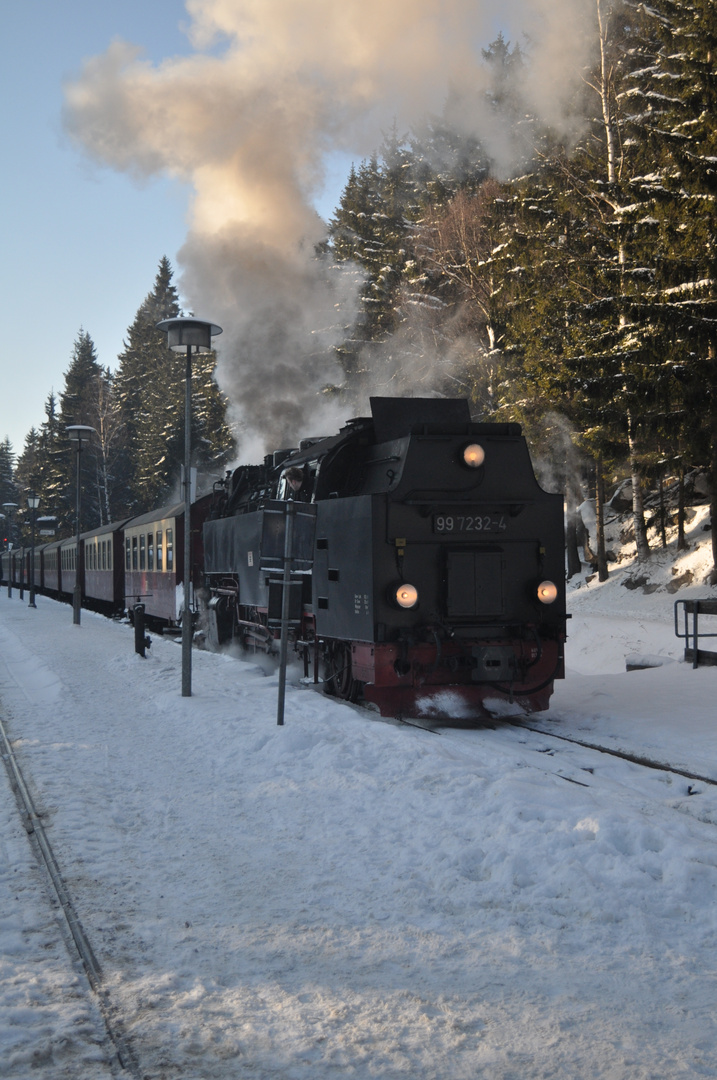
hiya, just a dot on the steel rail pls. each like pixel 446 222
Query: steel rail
pixel 35 829
pixel 634 759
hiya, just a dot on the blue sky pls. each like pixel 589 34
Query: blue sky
pixel 80 243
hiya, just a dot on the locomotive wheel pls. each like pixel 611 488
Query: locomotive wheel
pixel 338 680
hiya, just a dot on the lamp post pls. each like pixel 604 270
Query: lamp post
pixel 33 501
pixel 188 335
pixel 77 433
pixel 9 507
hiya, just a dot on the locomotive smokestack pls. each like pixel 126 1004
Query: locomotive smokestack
pixel 248 121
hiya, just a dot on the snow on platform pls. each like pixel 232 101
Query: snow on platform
pixel 344 897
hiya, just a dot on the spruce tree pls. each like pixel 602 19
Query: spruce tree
pixel 583 286
pixel 8 489
pixel 150 392
pixel 682 182
pixel 79 404
pixel 48 466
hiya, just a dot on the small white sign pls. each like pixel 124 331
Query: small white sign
pixel 250 558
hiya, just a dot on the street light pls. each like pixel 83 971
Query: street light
pixel 33 501
pixel 190 335
pixel 10 508
pixel 77 433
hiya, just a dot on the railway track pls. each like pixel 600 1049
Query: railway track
pixel 583 774
pixel 124 1063
pixel 635 759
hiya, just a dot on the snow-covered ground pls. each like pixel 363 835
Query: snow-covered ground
pixel 346 897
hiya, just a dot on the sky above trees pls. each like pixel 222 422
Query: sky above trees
pixel 81 239
pixel 80 242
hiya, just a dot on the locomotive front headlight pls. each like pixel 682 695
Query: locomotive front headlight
pixel 547 592
pixel 474 455
pixel 406 596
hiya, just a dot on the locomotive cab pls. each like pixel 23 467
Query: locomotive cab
pixel 446 572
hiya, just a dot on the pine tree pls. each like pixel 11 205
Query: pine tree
pixel 79 405
pixel 150 395
pixel 45 463
pixel 145 380
pixel 379 225
pixel 78 399
pixel 7 465
pixel 682 183
pixel 109 445
pixel 585 271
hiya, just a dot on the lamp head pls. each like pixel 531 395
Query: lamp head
pixel 186 333
pixel 78 432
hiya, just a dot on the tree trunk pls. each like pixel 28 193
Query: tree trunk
pixel 638 507
pixel 681 542
pixel 663 512
pixel 713 494
pixel 600 519
pixel 571 541
pixel 573 521
pixel 605 88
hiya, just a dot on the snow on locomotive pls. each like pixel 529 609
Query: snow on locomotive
pixel 429 563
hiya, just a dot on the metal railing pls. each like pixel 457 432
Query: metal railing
pixel 692 610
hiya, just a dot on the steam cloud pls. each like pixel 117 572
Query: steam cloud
pixel 273 86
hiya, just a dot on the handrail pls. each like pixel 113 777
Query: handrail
pixel 695 608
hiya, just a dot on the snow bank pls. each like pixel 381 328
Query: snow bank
pixel 344 896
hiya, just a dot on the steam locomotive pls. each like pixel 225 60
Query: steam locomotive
pixel 425 566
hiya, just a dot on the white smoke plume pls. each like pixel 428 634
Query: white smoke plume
pixel 272 88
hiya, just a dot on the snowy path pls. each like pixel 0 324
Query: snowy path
pixel 343 897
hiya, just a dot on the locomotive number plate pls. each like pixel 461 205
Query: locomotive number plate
pixel 469 523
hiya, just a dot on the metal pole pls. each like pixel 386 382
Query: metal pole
pixel 187 614
pixel 10 507
pixel 32 561
pixel 77 593
pixel 285 594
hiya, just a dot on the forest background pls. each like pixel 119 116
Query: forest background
pixel 576 295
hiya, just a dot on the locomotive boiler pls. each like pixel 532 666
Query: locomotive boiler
pixel 427 564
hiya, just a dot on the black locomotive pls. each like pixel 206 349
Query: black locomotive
pixel 427 563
